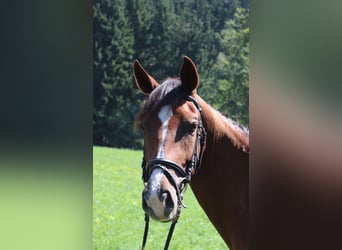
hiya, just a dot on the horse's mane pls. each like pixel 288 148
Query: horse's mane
pixel 220 125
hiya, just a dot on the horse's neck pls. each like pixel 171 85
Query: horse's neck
pixel 221 188
pixel 221 185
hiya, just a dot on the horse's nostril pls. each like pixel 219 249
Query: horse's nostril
pixel 167 199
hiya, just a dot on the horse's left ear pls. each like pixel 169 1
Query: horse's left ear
pixel 189 75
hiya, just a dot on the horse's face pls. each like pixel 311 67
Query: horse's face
pixel 169 134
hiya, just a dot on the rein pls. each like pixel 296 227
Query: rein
pixel 194 164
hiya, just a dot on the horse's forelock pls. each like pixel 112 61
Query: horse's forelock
pixel 160 93
pixel 169 87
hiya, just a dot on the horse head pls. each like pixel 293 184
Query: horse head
pixel 174 138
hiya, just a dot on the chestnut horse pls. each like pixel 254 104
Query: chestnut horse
pixel 187 141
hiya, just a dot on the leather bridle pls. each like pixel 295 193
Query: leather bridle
pixel 192 166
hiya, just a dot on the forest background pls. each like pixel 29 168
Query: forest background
pixel 215 34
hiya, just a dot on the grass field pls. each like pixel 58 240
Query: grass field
pixel 119 219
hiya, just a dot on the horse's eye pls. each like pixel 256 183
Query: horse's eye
pixel 190 127
pixel 185 129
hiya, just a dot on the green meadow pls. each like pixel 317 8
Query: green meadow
pixel 118 219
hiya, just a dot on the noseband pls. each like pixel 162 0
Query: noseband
pixel 193 165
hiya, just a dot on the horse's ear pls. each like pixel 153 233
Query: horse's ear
pixel 144 81
pixel 189 75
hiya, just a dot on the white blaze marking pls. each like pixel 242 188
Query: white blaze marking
pixel 164 115
pixel 153 200
pixel 155 179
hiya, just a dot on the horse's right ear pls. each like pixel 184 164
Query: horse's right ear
pixel 144 81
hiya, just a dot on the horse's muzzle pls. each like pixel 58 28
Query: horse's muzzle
pixel 160 205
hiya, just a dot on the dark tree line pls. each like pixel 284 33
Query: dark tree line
pixel 159 33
